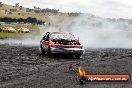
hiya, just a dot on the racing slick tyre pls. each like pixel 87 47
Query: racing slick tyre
pixel 49 52
pixel 77 56
pixel 42 51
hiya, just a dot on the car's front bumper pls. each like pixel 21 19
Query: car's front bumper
pixel 67 50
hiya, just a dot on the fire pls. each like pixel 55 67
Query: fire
pixel 81 71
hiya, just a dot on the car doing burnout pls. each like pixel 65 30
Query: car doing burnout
pixel 58 42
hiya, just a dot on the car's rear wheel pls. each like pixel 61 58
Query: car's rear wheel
pixel 49 52
pixel 78 56
pixel 42 51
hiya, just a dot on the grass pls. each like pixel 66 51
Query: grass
pixel 23 14
pixel 9 35
pixel 31 27
pixel 19 13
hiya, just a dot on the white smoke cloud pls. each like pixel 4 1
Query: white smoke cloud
pixel 109 35
pixel 93 33
pixel 97 32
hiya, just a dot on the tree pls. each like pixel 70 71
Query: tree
pixel 20 7
pixel 17 4
pixel 35 7
pixel 0 4
pixel 39 8
pixel 27 9
pixel 31 20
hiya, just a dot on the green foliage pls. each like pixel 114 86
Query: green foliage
pixel 9 35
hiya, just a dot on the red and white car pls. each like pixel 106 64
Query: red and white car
pixel 58 42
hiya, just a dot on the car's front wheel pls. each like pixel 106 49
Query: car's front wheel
pixel 78 56
pixel 42 51
pixel 49 52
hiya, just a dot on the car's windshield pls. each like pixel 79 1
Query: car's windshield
pixel 65 36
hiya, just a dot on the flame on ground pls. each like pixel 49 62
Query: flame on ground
pixel 81 71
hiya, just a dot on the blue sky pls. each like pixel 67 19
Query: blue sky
pixel 103 8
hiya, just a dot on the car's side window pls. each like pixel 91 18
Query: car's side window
pixel 46 37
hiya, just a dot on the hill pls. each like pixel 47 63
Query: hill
pixel 46 14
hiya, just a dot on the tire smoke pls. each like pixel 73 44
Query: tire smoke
pixel 93 32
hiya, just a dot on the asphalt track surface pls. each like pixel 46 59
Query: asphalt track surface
pixel 25 67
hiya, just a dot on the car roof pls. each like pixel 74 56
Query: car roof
pixel 60 33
